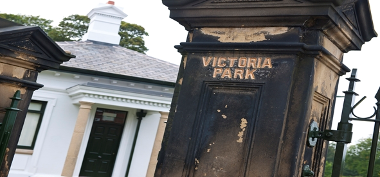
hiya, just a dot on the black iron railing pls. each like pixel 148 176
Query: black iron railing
pixel 7 125
pixel 343 135
pixel 347 111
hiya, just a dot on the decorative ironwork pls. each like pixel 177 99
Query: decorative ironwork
pixel 8 123
pixel 343 134
pixel 362 118
pixel 375 136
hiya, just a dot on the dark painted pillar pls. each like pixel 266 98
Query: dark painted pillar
pixel 24 51
pixel 255 74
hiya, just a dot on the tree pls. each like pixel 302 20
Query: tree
pixel 356 162
pixel 328 169
pixel 73 27
pixel 357 158
pixel 329 159
pixel 132 37
pixel 29 20
pixel 58 35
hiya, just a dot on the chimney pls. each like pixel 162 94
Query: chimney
pixel 105 23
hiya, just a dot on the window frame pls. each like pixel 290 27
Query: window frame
pixel 41 112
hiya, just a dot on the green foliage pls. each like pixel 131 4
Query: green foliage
pixel 73 27
pixel 328 168
pixel 57 35
pixel 329 159
pixel 29 20
pixel 357 159
pixel 132 37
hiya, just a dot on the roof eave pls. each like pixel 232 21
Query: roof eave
pixel 52 55
pixel 114 76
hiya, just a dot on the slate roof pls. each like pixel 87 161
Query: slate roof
pixel 109 58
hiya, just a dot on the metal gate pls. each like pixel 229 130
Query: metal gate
pixel 343 135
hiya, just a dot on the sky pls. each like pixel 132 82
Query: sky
pixel 164 33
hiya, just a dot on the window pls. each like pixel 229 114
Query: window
pixel 31 125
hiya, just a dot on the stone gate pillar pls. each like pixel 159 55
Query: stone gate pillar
pixel 24 51
pixel 254 74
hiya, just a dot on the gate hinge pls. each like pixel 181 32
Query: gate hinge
pixel 329 135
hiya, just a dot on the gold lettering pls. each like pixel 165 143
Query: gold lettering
pixel 214 62
pixel 249 74
pixel 251 62
pixel 242 62
pixel 227 72
pixel 239 72
pixel 222 59
pixel 217 71
pixel 232 61
pixel 267 63
pixel 259 63
pixel 207 61
pixel 236 67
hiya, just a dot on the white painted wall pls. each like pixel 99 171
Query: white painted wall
pixel 53 137
pixel 144 144
pixel 58 124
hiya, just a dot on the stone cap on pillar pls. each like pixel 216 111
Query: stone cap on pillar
pixel 349 21
pixel 30 46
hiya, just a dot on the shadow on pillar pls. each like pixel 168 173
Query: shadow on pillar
pixel 255 74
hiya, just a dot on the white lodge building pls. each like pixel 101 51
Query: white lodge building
pixel 83 121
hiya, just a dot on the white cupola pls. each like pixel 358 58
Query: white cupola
pixel 105 23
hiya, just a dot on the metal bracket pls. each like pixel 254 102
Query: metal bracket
pixel 329 135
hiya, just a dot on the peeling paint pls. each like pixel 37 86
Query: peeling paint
pixel 18 72
pixel 184 62
pixel 208 150
pixel 196 163
pixel 218 110
pixel 243 125
pixel 12 71
pixel 244 34
pixel 191 36
pixel 224 116
pixel 24 56
pixel 225 106
pixel 332 48
pixel 180 81
pixel 22 90
pixel 6 166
